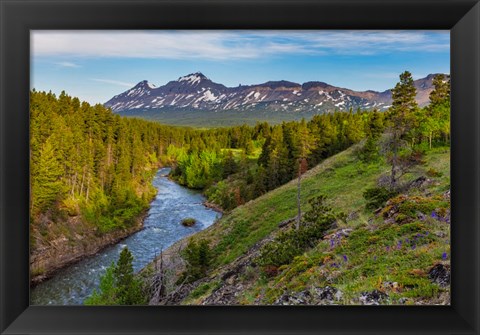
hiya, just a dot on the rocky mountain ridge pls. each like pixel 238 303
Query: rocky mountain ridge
pixel 197 92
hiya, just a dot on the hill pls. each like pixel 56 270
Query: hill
pixel 398 254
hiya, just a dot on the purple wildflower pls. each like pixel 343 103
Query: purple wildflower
pixel 399 244
pixel 414 246
pixel 345 259
pixel 332 243
pixel 375 258
pixel 444 256
pixel 387 248
pixel 434 215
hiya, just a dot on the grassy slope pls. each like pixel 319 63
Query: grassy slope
pixel 373 257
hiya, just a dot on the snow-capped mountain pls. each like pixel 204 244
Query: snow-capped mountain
pixel 196 92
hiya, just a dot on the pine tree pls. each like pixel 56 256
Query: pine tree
pixel 46 184
pixel 129 289
pixel 305 146
pixel 402 120
pixel 119 286
pixel 441 91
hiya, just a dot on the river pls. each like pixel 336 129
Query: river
pixel 162 228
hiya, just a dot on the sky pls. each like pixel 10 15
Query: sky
pixel 96 65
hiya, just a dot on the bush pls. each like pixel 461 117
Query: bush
pixel 287 245
pixel 377 197
pixel 198 258
pixel 433 173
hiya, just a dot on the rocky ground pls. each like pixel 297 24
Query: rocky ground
pixel 74 243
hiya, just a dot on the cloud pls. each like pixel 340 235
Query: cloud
pixel 113 82
pixel 228 45
pixel 67 64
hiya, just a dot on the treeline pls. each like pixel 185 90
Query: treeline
pixel 87 161
pixel 290 148
pixel 293 147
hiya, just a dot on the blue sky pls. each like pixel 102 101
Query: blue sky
pixel 96 65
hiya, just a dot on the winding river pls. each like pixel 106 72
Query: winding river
pixel 162 228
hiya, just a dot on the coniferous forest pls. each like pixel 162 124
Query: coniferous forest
pixel 325 204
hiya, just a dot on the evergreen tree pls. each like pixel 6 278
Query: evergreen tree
pixel 46 173
pixel 129 289
pixel 402 121
pixel 119 286
pixel 441 92
pixel 198 257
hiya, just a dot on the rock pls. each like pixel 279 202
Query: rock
pixel 286 222
pixel 327 295
pixel 419 182
pixel 391 285
pixel 352 216
pixel 230 280
pixel 440 274
pixel 298 298
pixel 374 297
pixel 446 195
pixel 188 222
pixel 440 234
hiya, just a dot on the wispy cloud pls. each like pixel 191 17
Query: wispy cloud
pixel 222 45
pixel 113 82
pixel 67 64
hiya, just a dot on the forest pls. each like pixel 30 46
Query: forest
pixel 90 163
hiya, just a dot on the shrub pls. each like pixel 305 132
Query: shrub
pixel 433 173
pixel 377 197
pixel 283 249
pixel 198 258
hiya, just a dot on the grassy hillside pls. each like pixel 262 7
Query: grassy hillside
pixel 385 257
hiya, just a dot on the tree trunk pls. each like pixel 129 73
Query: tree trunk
pixel 393 180
pixel 299 217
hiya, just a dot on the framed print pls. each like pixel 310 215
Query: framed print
pixel 267 167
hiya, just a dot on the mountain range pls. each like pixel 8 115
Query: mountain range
pixel 194 93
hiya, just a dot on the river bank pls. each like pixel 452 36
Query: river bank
pixel 63 252
pixel 162 227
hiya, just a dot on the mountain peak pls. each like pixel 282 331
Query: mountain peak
pixel 145 83
pixel 196 92
pixel 193 78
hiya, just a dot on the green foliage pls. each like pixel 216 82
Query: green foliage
pixel 377 196
pixel 87 161
pixel 402 125
pixel 46 183
pixel 425 205
pixel 198 257
pixel 198 169
pixel 119 286
pixel 107 293
pixel 294 242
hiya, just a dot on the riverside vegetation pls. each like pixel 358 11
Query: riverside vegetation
pixel 346 208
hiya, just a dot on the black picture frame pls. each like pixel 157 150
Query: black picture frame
pixel 18 17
